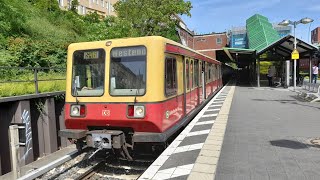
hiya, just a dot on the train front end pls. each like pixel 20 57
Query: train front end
pixel 110 90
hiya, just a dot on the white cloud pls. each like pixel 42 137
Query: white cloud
pixel 313 8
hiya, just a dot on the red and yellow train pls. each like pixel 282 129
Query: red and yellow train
pixel 124 92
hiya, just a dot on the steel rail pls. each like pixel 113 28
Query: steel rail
pixel 38 172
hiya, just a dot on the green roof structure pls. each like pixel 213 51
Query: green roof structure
pixel 260 32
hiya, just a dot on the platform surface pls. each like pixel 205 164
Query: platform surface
pixel 246 133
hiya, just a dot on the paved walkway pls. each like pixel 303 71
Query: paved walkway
pixel 268 137
pixel 196 150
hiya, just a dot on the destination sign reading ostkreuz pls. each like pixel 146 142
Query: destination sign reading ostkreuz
pixel 128 51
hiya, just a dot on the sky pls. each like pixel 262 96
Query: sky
pixel 221 15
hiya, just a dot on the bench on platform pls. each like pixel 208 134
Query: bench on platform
pixel 310 90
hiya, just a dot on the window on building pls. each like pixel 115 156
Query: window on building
pixel 80 9
pixel 69 4
pixel 107 5
pixel 102 2
pixel 111 7
pixel 61 3
pixel 93 1
pixel 219 41
pixel 97 1
pixel 84 10
pixel 202 39
pixel 170 76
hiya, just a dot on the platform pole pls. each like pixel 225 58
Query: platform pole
pixel 310 69
pixel 287 73
pixel 15 153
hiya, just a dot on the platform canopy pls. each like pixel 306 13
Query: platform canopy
pixel 236 55
pixel 282 49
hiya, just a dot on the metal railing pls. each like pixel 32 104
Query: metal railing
pixel 35 71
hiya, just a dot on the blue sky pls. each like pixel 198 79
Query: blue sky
pixel 220 15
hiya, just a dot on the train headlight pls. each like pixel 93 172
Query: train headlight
pixel 136 111
pixel 77 110
pixel 139 111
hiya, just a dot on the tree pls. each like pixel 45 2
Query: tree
pixel 12 22
pixel 152 17
pixel 74 6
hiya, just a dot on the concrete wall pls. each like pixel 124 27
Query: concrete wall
pixel 42 115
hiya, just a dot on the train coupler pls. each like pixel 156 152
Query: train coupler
pixel 108 139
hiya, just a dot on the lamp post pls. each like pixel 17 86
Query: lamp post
pixel 295 23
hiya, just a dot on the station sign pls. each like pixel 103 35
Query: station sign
pixel 295 54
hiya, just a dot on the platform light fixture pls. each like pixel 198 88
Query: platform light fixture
pixel 305 20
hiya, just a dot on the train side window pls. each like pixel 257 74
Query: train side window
pixel 187 74
pixel 200 69
pixel 170 76
pixel 208 71
pixel 191 74
pixel 216 71
pixel 196 73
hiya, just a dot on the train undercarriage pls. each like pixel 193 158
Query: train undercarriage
pixel 120 143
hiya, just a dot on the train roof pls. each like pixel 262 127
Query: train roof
pixel 185 50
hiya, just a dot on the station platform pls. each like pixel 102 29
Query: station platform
pixel 246 133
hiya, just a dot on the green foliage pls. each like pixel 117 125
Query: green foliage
pixel 12 22
pixel 36 33
pixel 152 17
pixel 264 65
pixel 14 89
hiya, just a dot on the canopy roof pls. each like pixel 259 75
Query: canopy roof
pixel 236 55
pixel 282 49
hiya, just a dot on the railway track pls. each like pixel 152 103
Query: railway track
pixel 101 166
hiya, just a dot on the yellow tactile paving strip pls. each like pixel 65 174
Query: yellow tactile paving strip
pixel 206 163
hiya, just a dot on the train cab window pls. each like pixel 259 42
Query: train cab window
pixel 88 72
pixel 170 76
pixel 128 71
pixel 187 74
pixel 196 73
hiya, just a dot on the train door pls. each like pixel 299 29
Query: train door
pixel 192 96
pixel 196 82
pixel 187 87
pixel 200 82
pixel 211 77
pixel 203 80
pixel 208 88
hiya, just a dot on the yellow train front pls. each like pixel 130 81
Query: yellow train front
pixel 124 92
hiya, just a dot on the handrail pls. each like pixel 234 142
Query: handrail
pixel 35 78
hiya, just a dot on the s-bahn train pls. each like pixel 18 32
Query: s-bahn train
pixel 124 92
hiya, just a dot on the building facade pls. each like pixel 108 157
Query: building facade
pixel 315 36
pixel 205 43
pixel 208 43
pixel 102 7
pixel 185 35
pixel 238 35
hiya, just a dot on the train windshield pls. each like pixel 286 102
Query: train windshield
pixel 128 71
pixel 88 72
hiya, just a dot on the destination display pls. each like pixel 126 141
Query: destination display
pixel 128 51
pixel 91 54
